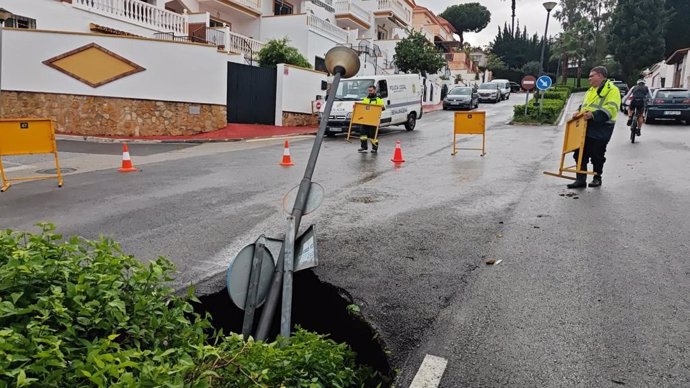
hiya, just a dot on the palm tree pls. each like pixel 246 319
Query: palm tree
pixel 512 23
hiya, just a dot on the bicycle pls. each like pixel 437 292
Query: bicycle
pixel 637 112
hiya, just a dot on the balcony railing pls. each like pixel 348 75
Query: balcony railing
pixel 398 9
pixel 242 44
pixel 136 12
pixel 327 29
pixel 351 7
pixel 325 4
pixel 252 4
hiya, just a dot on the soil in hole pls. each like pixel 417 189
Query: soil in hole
pixel 317 307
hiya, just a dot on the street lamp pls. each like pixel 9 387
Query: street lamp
pixel 4 15
pixel 549 5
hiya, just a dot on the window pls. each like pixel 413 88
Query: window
pixel 320 64
pixel 381 35
pixel 218 23
pixel 383 89
pixel 282 8
pixel 17 21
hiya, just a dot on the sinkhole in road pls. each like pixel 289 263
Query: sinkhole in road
pixel 316 306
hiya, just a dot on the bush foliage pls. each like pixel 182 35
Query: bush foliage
pixel 278 51
pixel 82 313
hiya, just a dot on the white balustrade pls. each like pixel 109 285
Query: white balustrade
pixel 351 6
pixel 397 8
pixel 326 28
pixel 137 12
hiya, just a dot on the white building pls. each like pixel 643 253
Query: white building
pixel 659 75
pixel 680 67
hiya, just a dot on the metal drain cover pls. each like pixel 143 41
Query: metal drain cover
pixel 53 171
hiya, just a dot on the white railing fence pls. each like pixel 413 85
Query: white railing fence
pixel 351 6
pixel 326 28
pixel 136 12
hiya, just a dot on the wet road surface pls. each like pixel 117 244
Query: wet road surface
pixel 591 290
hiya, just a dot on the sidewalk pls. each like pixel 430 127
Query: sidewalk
pixel 232 132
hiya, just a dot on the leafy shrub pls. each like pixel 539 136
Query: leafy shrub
pixel 277 51
pixel 82 313
pixel 550 111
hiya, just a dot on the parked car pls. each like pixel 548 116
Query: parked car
pixel 504 87
pixel 669 104
pixel 489 91
pixel 622 86
pixel 515 87
pixel 461 97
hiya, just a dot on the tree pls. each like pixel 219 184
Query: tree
pixel 531 67
pixel 515 50
pixel 415 54
pixel 493 63
pixel 277 51
pixel 470 17
pixel 678 33
pixel 637 35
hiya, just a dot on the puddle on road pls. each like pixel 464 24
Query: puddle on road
pixel 317 307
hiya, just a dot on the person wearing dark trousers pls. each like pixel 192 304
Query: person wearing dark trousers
pixel 600 109
pixel 368 132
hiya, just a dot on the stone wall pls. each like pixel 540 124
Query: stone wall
pixel 292 119
pixel 107 116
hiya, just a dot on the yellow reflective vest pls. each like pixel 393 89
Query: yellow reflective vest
pixel 604 103
pixel 373 101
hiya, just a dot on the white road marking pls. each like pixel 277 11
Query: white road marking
pixel 430 372
pixel 279 138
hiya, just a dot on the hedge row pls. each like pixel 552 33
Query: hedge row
pixel 80 313
pixel 552 103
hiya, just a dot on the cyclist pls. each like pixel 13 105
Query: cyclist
pixel 639 93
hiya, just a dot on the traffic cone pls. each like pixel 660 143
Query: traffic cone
pixel 127 165
pixel 397 156
pixel 287 159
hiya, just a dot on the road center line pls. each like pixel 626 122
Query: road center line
pixel 430 372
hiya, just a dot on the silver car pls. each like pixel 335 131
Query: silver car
pixel 489 91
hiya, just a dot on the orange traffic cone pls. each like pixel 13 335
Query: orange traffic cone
pixel 127 165
pixel 397 156
pixel 287 159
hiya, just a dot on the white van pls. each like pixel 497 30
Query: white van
pixel 401 93
pixel 504 87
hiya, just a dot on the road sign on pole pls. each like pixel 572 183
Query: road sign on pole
pixel 544 82
pixel 528 83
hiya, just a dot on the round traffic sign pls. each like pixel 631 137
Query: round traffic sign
pixel 528 82
pixel 237 277
pixel 318 105
pixel 544 82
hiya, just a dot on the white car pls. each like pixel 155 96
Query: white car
pixel 504 87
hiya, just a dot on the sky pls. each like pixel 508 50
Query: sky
pixel 529 13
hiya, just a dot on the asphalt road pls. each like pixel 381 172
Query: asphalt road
pixel 591 290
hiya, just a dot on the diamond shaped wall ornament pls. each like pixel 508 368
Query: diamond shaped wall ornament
pixel 93 65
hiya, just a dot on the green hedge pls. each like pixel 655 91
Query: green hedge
pixel 80 313
pixel 549 113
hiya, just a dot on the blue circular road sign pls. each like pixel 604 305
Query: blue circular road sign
pixel 544 82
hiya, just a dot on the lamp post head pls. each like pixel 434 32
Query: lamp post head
pixel 549 5
pixel 4 15
pixel 342 60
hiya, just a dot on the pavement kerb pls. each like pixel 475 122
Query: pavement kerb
pixel 98 139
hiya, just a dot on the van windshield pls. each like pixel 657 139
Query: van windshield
pixel 353 90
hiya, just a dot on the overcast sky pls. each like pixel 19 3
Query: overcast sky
pixel 530 13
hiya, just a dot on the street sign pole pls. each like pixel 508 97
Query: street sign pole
pixel 341 58
pixel 526 101
pixel 286 314
pixel 253 290
pixel 527 83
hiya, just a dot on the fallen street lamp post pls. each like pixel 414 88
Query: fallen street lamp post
pixel 342 62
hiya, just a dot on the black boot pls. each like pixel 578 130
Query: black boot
pixel 374 147
pixel 629 121
pixel 580 182
pixel 362 147
pixel 596 181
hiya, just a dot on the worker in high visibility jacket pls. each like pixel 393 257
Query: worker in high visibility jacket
pixel 600 108
pixel 368 132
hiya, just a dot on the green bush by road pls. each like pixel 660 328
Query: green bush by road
pixel 553 102
pixel 80 313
